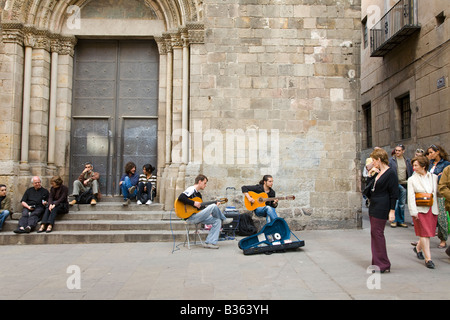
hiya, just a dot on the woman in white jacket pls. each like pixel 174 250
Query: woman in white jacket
pixel 425 218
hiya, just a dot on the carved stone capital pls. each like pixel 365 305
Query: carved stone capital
pixel 29 40
pixel 196 32
pixel 67 46
pixel 55 45
pixel 12 36
pixel 168 42
pixel 161 43
pixel 42 42
pixel 176 40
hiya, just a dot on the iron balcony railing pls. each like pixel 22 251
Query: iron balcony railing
pixel 394 27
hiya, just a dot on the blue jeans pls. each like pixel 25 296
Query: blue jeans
pixel 266 211
pixel 3 215
pixel 125 185
pixel 210 215
pixel 400 205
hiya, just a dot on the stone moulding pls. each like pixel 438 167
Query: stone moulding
pixel 37 38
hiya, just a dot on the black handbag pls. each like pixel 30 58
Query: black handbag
pixel 369 187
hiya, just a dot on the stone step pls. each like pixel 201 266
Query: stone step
pixel 112 206
pixel 115 236
pixel 108 225
pixel 108 222
pixel 113 215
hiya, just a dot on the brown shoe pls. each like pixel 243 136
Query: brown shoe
pixel 93 202
pixel 72 202
pixel 403 225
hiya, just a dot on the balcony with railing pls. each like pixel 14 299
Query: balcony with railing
pixel 398 24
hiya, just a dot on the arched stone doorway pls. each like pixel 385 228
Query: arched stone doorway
pixel 41 37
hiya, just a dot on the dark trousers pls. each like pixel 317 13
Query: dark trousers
pixel 49 216
pixel 30 218
pixel 378 244
pixel 142 195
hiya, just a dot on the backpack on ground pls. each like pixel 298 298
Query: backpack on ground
pixel 246 225
pixel 85 197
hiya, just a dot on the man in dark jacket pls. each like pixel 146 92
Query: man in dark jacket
pixel 403 167
pixel 33 201
pixel 264 186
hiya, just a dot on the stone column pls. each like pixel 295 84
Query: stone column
pixel 185 100
pixel 52 111
pixel 177 97
pixel 63 103
pixel 11 107
pixel 169 84
pixel 168 177
pixel 164 114
pixel 28 43
pixel 173 179
pixel 40 94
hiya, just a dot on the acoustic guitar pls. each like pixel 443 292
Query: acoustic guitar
pixel 184 211
pixel 261 199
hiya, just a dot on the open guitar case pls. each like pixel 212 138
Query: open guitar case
pixel 275 236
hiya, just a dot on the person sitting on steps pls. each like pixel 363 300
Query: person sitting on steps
pixel 88 179
pixel 129 182
pixel 145 188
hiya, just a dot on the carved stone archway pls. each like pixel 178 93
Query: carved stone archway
pixel 39 43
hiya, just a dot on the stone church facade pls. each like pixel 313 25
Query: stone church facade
pixel 232 89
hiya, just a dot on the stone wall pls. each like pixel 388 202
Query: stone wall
pixel 275 90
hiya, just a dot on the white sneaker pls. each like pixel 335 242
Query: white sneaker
pixel 227 221
pixel 210 246
pixel 139 202
pixel 149 202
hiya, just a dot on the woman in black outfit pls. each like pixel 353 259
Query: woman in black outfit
pixel 57 203
pixel 383 196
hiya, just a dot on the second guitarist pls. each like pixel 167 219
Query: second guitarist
pixel 209 215
pixel 265 185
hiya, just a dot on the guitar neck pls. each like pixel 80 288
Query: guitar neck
pixel 207 203
pixel 276 198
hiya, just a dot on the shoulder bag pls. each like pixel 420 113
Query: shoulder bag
pixel 424 199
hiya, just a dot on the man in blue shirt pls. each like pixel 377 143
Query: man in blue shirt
pixel 129 182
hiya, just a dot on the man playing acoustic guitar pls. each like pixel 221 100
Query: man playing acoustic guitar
pixel 209 215
pixel 264 186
